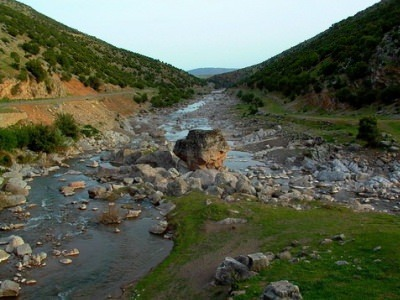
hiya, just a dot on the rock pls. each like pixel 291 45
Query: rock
pixel 213 190
pixel 132 213
pixel 330 176
pixel 259 261
pixel 223 179
pixel 231 270
pixel 9 288
pixel 163 159
pixel 285 255
pixel 67 191
pixel 156 197
pixel 244 186
pixel 24 249
pixel 202 149
pixel 11 200
pixel 281 290
pixel 97 192
pixel 72 252
pixel 207 177
pixel 93 164
pixel 341 263
pixel 77 185
pixel 150 174
pixel 127 156
pixel 37 259
pixel 17 186
pixel 3 255
pixel 65 261
pixel 177 188
pixel 166 208
pixel 13 242
pixel 159 228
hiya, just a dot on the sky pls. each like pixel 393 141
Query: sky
pixel 190 34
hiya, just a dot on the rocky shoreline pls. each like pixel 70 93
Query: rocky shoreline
pixel 292 172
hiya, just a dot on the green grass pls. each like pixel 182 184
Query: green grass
pixel 369 275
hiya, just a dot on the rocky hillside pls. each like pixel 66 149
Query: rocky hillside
pixel 355 62
pixel 40 57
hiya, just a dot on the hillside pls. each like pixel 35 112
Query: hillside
pixel 208 72
pixel 41 58
pixel 355 62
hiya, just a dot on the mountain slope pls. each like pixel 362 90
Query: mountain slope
pixel 38 56
pixel 356 62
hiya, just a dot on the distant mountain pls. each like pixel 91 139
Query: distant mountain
pixel 356 62
pixel 208 72
pixel 40 57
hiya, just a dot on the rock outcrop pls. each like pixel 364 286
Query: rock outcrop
pixel 202 149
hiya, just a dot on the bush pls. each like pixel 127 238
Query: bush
pixel 44 138
pixel 67 125
pixel 5 159
pixel 89 131
pixel 368 131
pixel 8 140
pixel 36 69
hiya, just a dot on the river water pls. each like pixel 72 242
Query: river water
pixel 107 260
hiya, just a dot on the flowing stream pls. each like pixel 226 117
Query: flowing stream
pixel 107 260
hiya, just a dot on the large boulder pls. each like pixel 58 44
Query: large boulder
pixel 281 290
pixel 202 149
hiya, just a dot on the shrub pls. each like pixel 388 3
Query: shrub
pixel 89 131
pixel 368 131
pixel 45 138
pixel 5 159
pixel 36 69
pixel 32 48
pixel 67 125
pixel 8 140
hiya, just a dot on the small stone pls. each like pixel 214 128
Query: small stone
pixel 82 207
pixel 341 263
pixel 31 282
pixel 72 252
pixel 66 261
pixel 378 248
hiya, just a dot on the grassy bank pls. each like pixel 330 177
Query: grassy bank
pixel 370 247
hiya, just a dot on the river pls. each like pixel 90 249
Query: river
pixel 107 260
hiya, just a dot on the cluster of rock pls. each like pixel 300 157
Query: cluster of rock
pixel 232 270
pixel 22 252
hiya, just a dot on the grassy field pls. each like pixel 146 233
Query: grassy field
pixel 370 247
